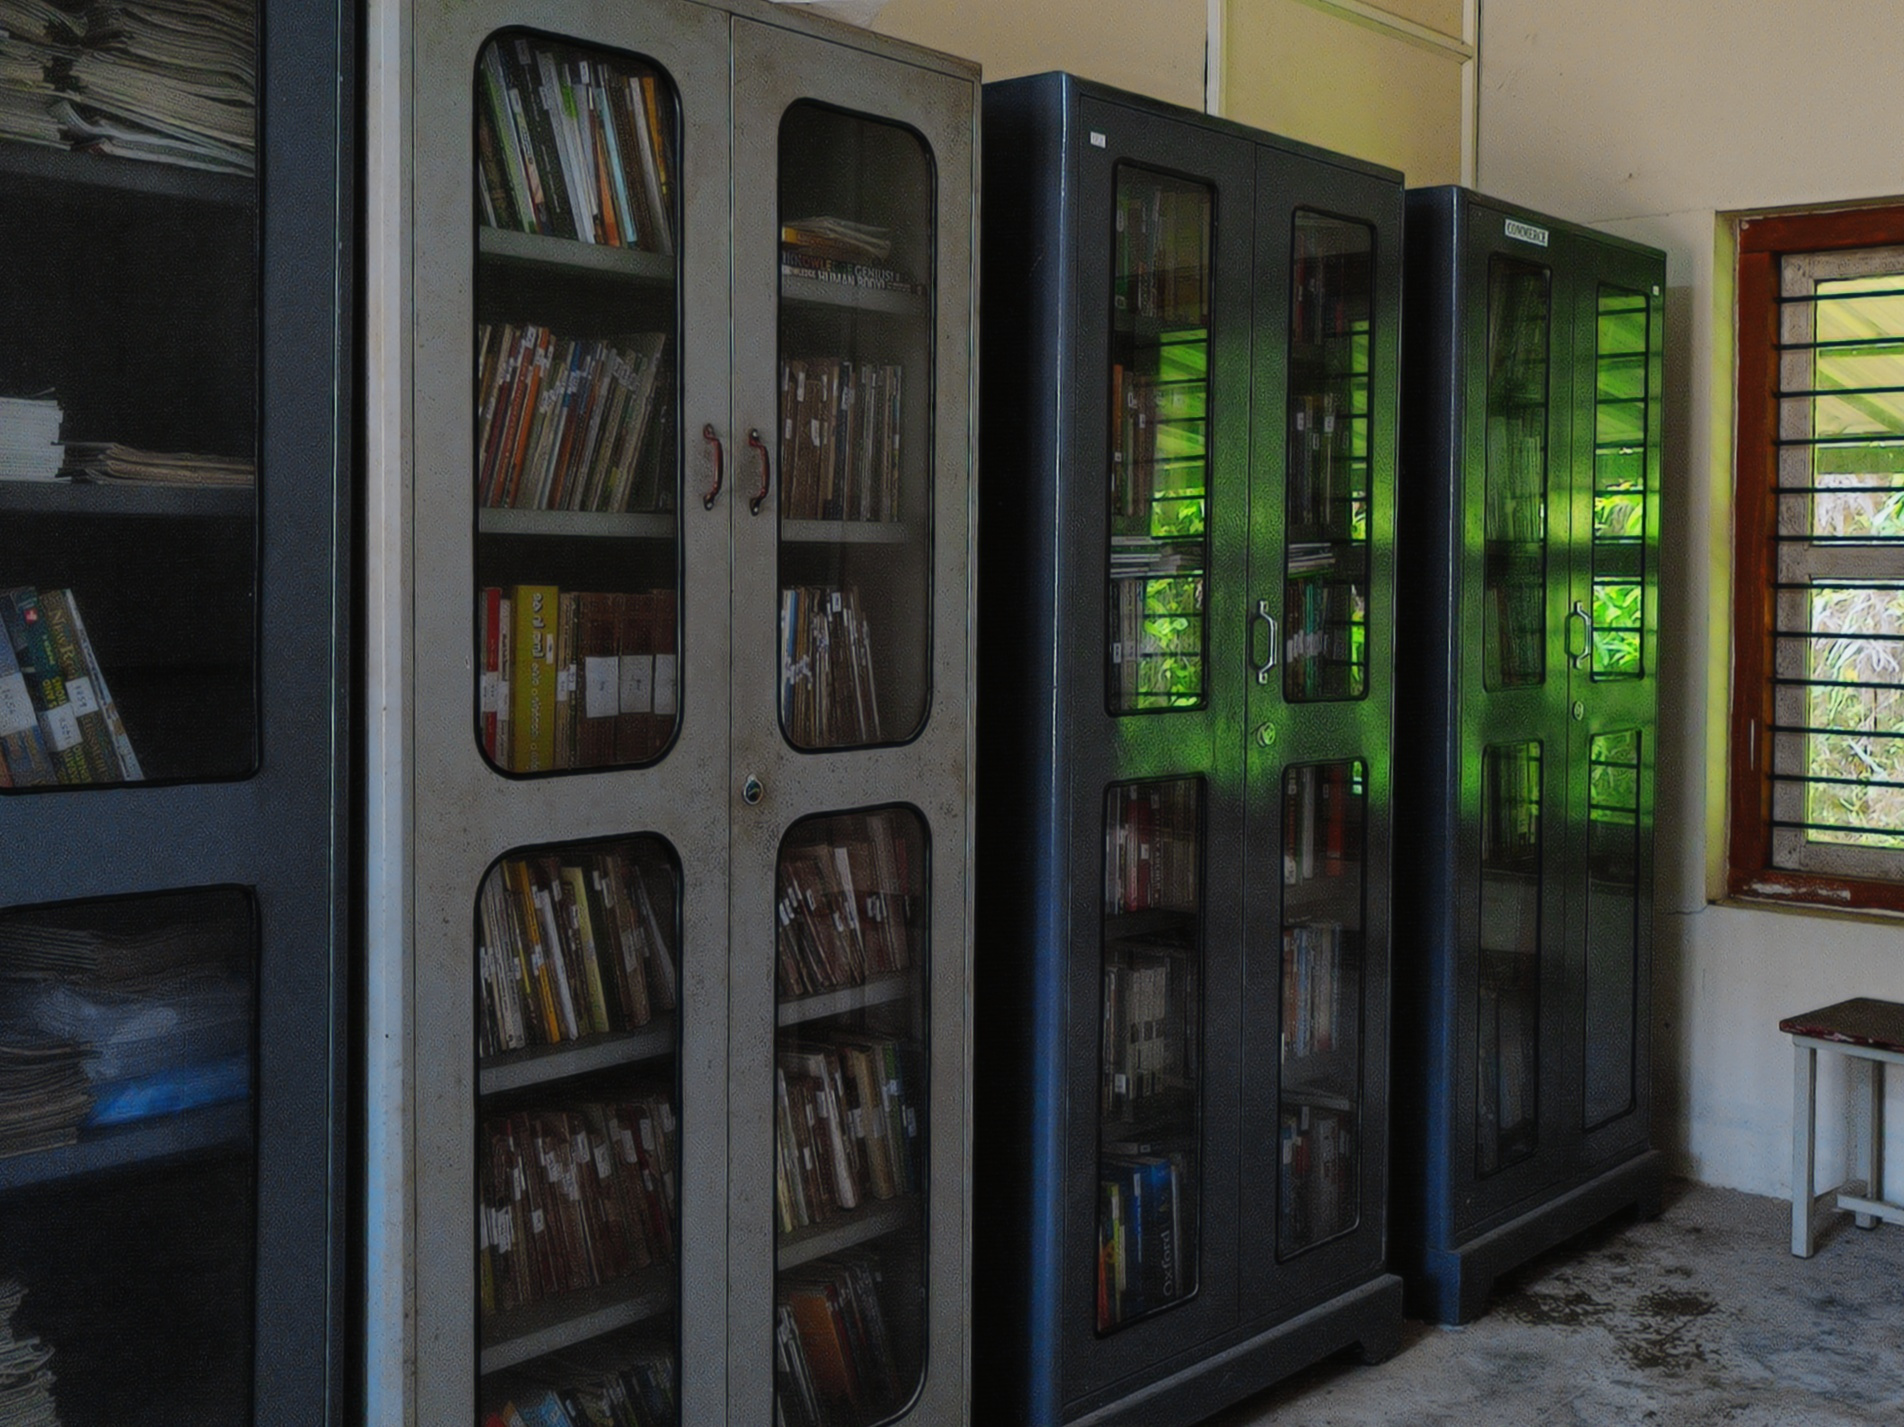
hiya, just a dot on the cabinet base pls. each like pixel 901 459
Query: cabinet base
pixel 1367 1318
pixel 1454 1285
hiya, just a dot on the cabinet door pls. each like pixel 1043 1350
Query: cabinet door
pixel 850 511
pixel 1612 651
pixel 568 717
pixel 1513 1077
pixel 1156 504
pixel 177 318
pixel 1315 942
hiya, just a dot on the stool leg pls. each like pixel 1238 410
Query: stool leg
pixel 1804 1149
pixel 1874 1144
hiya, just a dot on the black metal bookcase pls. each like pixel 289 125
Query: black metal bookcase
pixel 1528 652
pixel 1190 341
pixel 174 899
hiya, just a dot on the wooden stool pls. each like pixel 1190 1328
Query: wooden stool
pixel 1866 1030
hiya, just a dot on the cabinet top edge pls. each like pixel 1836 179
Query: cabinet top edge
pixel 1066 89
pixel 1451 198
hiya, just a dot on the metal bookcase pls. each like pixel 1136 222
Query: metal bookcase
pixel 180 919
pixel 768 749
pixel 1529 579
pixel 1186 637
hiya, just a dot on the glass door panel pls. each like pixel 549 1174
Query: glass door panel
pixel 1622 438
pixel 1161 295
pixel 577 1148
pixel 1613 932
pixel 577 446
pixel 1514 610
pixel 854 446
pixel 850 1060
pixel 1327 486
pixel 129 393
pixel 128 1158
pixel 1325 862
pixel 1507 1120
pixel 1151 1012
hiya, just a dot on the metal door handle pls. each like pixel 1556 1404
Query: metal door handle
pixel 766 470
pixel 708 435
pixel 1262 613
pixel 1579 612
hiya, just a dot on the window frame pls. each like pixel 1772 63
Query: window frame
pixel 1762 243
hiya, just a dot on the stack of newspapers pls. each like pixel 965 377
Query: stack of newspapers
pixel 167 81
pixel 26 1375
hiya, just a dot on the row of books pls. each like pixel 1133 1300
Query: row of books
pixel 1151 846
pixel 576 679
pixel 574 1195
pixel 1324 649
pixel 840 428
pixel 800 266
pixel 1323 809
pixel 1317 1177
pixel 1329 284
pixel 1514 617
pixel 848 1125
pixel 1159 451
pixel 573 944
pixel 1325 486
pixel 573 423
pixel 839 1358
pixel 1520 332
pixel 162 81
pixel 572 144
pixel 613 1384
pixel 1155 638
pixel 1321 990
pixel 26 1367
pixel 1514 503
pixel 829 696
pixel 1510 807
pixel 845 906
pixel 1162 262
pixel 59 722
pixel 1149 1001
pixel 1146 1248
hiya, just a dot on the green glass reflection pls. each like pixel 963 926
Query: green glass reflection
pixel 1622 432
pixel 1159 399
pixel 1507 1058
pixel 1612 926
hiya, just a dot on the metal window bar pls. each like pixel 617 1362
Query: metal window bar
pixel 1837 732
pixel 1787 682
pixel 1864 830
pixel 1800 538
pixel 1839 586
pixel 1793 393
pixel 1793 299
pixel 1810 635
pixel 1778 777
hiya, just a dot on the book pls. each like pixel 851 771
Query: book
pixel 533 678
pixel 23 750
pixel 30 448
pixel 33 652
pixel 85 693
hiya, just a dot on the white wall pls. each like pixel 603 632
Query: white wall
pixel 1654 119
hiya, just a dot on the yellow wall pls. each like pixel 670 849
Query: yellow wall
pixel 1153 47
pixel 1319 74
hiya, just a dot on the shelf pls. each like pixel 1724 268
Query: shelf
pixel 1151 924
pixel 578 524
pixel 799 290
pixel 520 1069
pixel 879 991
pixel 70 166
pixel 861 1225
pixel 847 532
pixel 536 250
pixel 214 1127
pixel 541 1328
pixel 62 497
pixel 1315 1098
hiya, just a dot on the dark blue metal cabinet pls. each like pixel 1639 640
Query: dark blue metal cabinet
pixel 174 903
pixel 1188 430
pixel 1529 578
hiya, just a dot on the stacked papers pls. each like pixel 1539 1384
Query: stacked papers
pixel 26 1379
pixel 113 463
pixel 30 447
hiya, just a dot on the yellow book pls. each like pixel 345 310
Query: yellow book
pixel 533 678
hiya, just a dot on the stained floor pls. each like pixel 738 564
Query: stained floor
pixel 1699 1317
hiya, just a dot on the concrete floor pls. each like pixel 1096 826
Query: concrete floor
pixel 1700 1317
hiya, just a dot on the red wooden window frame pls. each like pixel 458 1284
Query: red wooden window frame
pixel 1762 241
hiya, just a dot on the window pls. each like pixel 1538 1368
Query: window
pixel 1818 669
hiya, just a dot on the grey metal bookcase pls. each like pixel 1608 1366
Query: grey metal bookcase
pixel 1529 578
pixel 1186 639
pixel 794 665
pixel 181 1234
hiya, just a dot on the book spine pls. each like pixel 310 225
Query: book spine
pixel 533 678
pixel 22 742
pixel 102 755
pixel 59 725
